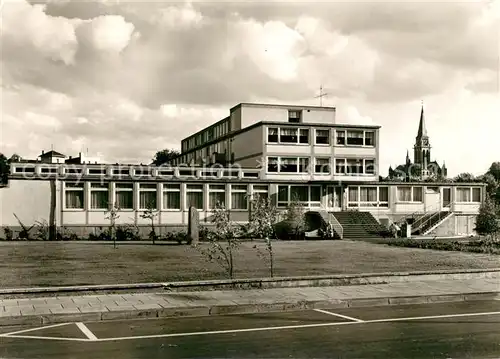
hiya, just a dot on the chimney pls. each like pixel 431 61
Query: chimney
pixel 43 152
pixel 69 157
pixel 80 154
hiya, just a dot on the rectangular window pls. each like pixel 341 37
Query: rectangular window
pixel 260 191
pixel 304 135
pixel 216 195
pixel 355 138
pixel 353 194
pixel 74 196
pixel 463 195
pixel 340 137
pixel 288 135
pixel 404 194
pixel 340 166
pixel 147 199
pixel 476 195
pixel 322 137
pixel 99 196
pixel 418 194
pixel 368 194
pixel 282 196
pixel 194 196
pixel 239 196
pixel 172 196
pixel 288 165
pixel 315 193
pixel 294 116
pixel 272 164
pixel 299 194
pixel 303 164
pixel 354 166
pixel 272 135
pixel 383 194
pixel 370 167
pixel 124 194
pixel 369 138
pixel 322 165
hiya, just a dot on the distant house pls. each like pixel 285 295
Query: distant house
pixel 52 157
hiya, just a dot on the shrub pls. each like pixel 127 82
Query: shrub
pixel 64 234
pixel 127 233
pixel 9 235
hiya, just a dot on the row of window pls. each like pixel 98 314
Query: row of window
pixel 287 135
pixel 368 196
pixel 343 166
pixel 415 194
pixel 171 196
pixel 207 135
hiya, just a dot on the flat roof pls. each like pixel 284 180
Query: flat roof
pixel 293 107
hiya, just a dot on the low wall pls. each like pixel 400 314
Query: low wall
pixel 262 283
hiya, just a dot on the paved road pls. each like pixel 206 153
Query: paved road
pixel 447 330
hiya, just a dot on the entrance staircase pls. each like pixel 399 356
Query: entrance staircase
pixel 360 225
pixel 427 222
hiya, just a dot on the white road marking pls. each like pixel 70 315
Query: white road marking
pixel 296 326
pixel 91 336
pixel 338 315
pixel 33 329
pixel 86 331
pixel 47 338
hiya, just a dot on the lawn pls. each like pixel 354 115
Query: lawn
pixel 24 264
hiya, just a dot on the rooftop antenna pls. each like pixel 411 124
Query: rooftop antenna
pixel 321 95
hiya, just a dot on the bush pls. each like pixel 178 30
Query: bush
pixel 64 234
pixel 178 236
pixel 480 246
pixel 127 233
pixel 9 235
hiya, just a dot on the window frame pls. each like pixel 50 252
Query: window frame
pixel 95 187
pixel 235 190
pixel 327 137
pixel 76 187
pixel 147 188
pixel 165 190
pixel 216 188
pixel 199 189
pixel 128 189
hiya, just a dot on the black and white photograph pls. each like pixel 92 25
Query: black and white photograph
pixel 249 179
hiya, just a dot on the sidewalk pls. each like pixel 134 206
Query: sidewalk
pixel 39 311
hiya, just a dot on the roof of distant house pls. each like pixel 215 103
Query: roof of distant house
pixel 52 153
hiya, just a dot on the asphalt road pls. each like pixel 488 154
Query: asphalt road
pixel 447 330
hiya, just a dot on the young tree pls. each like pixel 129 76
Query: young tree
pixel 112 215
pixel 151 213
pixel 487 221
pixel 294 216
pixel 223 240
pixel 264 217
pixel 164 156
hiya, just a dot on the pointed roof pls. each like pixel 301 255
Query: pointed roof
pixel 422 130
pixel 51 153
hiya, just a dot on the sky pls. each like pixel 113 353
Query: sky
pixel 124 79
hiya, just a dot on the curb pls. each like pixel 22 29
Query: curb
pixel 258 283
pixel 170 312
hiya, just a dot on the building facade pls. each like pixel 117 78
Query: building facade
pixel 284 153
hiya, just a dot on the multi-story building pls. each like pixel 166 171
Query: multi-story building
pixel 287 153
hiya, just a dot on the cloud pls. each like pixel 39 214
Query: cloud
pixel 106 33
pixel 51 38
pixel 129 78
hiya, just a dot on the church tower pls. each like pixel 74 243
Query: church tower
pixel 422 148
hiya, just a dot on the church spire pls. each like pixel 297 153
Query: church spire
pixel 408 161
pixel 422 130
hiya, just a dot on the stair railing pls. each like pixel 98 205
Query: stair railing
pixel 439 214
pixel 334 222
